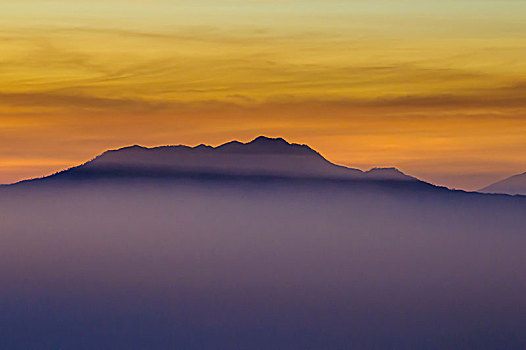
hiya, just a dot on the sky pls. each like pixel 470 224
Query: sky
pixel 435 88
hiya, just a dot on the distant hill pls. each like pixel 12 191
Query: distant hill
pixel 512 185
pixel 261 157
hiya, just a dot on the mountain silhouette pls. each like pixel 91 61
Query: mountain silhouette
pixel 513 185
pixel 261 157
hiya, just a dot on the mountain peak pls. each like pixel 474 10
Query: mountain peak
pixel 267 145
pixel 269 140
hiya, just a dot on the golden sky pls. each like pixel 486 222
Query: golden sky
pixel 435 88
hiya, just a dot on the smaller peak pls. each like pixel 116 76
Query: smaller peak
pixel 203 146
pixel 384 170
pixel 134 147
pixel 232 143
pixel 269 140
pixel 388 173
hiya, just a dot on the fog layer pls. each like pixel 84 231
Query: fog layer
pixel 259 265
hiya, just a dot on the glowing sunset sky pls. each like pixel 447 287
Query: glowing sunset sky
pixel 435 88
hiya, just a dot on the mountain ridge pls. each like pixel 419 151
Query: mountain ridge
pixel 262 156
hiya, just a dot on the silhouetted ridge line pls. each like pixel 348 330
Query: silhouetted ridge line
pixel 263 157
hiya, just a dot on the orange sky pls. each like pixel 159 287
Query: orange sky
pixel 437 90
